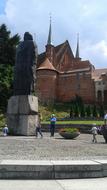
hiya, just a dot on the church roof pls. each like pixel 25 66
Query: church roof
pixel 59 50
pixel 78 64
pixel 97 73
pixel 46 65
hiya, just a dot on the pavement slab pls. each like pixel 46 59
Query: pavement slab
pixel 54 148
pixel 28 157
pixel 74 184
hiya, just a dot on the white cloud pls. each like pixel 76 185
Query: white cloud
pixel 96 52
pixel 68 18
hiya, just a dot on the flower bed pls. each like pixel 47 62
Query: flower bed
pixel 69 133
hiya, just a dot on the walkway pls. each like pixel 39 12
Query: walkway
pixel 49 148
pixel 21 153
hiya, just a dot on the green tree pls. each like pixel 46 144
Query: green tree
pixel 82 110
pixel 71 111
pixel 8 45
pixel 88 111
pixel 101 111
pixel 6 78
pixel 94 111
pixel 76 110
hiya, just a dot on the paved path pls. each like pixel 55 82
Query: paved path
pixel 74 184
pixel 49 148
pixel 57 148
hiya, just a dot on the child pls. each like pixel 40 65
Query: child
pixel 5 130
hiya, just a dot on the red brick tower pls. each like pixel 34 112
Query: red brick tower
pixel 47 74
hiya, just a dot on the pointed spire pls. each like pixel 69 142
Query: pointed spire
pixel 77 50
pixel 49 42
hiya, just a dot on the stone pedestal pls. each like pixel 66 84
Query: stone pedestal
pixel 22 114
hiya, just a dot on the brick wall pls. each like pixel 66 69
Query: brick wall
pixel 63 87
pixel 46 85
pixel 75 84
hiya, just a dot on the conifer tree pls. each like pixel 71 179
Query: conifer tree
pixel 71 111
pixel 94 111
pixel 88 111
pixel 8 45
pixel 101 111
pixel 76 110
pixel 82 110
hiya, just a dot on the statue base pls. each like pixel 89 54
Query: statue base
pixel 22 115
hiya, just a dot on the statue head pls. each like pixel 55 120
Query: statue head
pixel 27 36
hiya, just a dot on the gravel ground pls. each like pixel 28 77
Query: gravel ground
pixel 52 148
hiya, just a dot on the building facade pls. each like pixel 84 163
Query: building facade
pixel 61 76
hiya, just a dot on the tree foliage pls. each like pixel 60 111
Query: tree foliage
pixel 79 109
pixel 8 45
pixel 94 111
pixel 88 111
pixel 101 111
pixel 82 110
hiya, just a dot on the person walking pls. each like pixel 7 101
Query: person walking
pixel 38 127
pixel 52 124
pixel 94 133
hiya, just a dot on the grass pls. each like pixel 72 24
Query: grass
pixel 62 111
pixel 77 122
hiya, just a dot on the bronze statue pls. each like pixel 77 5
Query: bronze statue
pixel 25 66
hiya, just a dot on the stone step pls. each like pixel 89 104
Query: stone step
pixel 60 169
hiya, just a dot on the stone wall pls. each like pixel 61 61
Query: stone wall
pixel 82 127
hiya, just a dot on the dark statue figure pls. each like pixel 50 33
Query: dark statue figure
pixel 25 66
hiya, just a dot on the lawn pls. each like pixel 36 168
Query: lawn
pixel 77 122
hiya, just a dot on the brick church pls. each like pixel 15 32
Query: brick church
pixel 61 76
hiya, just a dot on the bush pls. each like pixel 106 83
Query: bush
pixel 2 121
pixel 69 133
pixel 70 130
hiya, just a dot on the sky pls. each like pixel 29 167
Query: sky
pixel 69 17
